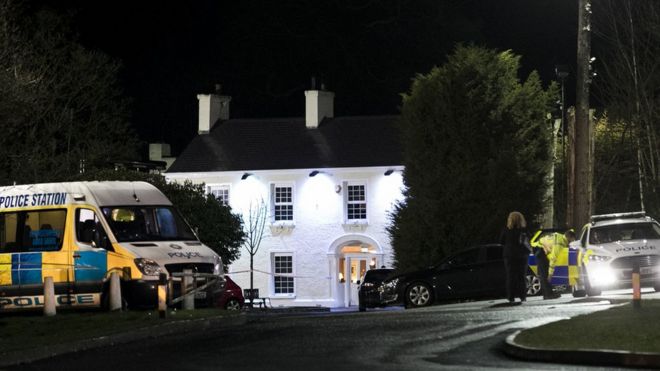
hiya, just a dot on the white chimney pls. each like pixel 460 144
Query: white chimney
pixel 212 107
pixel 318 105
pixel 161 152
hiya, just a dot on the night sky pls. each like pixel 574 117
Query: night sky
pixel 265 52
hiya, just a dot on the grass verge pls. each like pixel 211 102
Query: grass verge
pixel 25 331
pixel 619 328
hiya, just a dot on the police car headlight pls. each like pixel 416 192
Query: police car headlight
pixel 599 258
pixel 602 276
pixel 148 267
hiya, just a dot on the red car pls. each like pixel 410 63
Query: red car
pixel 232 298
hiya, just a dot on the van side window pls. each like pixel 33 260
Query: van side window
pixel 32 231
pixel 87 226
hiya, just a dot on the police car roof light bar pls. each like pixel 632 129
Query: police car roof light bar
pixel 635 214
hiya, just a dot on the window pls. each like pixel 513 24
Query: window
pixel 89 230
pixel 356 201
pixel 148 223
pixel 282 202
pixel 468 257
pixel 25 231
pixel 283 274
pixel 220 192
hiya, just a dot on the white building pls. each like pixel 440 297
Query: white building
pixel 330 184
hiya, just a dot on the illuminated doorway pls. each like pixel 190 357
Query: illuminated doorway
pixel 355 259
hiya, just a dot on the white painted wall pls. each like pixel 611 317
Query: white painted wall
pixel 319 226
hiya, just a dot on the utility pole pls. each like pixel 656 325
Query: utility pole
pixel 580 209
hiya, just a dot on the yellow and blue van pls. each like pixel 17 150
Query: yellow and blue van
pixel 79 233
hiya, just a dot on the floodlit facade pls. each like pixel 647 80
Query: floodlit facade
pixel 328 183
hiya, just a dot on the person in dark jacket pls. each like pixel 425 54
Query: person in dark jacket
pixel 515 256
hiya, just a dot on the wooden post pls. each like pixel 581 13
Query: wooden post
pixel 162 295
pixel 115 293
pixel 186 288
pixel 49 297
pixel 637 291
pixel 582 173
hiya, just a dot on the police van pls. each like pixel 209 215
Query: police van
pixel 612 245
pixel 79 233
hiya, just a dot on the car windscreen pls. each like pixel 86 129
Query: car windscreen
pixel 147 223
pixel 377 275
pixel 624 232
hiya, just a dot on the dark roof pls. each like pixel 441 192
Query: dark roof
pixel 262 144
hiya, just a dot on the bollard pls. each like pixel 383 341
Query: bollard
pixel 49 297
pixel 115 293
pixel 637 291
pixel 162 295
pixel 187 287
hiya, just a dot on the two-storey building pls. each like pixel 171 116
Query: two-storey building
pixel 329 184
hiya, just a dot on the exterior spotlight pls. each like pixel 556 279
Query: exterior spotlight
pixel 314 173
pixel 389 172
pixel 245 176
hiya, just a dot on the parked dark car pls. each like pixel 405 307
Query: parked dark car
pixel 477 272
pixel 232 298
pixel 369 293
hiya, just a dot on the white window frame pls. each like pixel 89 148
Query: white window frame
pixel 210 188
pixel 274 204
pixel 347 202
pixel 273 257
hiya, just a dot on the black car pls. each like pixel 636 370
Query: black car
pixel 477 272
pixel 369 292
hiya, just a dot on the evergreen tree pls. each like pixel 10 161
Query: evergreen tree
pixel 476 146
pixel 60 103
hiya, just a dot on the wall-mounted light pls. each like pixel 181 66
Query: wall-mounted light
pixel 389 172
pixel 246 175
pixel 317 172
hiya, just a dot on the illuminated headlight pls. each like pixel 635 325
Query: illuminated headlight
pixel 390 285
pixel 599 258
pixel 148 267
pixel 217 266
pixel 602 276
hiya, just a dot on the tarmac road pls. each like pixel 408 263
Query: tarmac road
pixel 455 336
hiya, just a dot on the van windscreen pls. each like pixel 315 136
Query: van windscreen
pixel 147 223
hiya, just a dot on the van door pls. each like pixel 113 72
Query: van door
pixel 31 248
pixel 90 261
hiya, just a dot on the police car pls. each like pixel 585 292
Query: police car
pixel 612 245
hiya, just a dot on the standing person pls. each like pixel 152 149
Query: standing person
pixel 515 256
pixel 543 266
pixel 557 242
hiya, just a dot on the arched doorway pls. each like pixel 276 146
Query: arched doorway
pixel 351 256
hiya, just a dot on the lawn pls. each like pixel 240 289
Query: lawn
pixel 24 331
pixel 619 328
